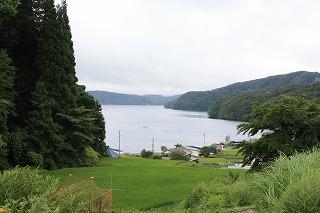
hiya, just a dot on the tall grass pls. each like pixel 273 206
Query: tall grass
pixel 25 190
pixel 230 192
pixel 289 185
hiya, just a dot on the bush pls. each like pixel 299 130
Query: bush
pixel 25 190
pixel 91 157
pixel 16 150
pixel 146 153
pixel 177 154
pixel 3 154
pixel 35 159
pixel 240 194
pixel 158 157
pixel 207 196
pixel 207 150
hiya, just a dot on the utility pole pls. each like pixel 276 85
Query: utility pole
pixel 111 181
pixel 204 139
pixel 119 142
pixel 152 144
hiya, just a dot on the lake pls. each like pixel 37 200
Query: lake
pixel 139 125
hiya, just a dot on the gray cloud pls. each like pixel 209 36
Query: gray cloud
pixel 172 46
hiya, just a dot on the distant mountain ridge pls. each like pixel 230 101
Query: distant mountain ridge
pixel 112 98
pixel 238 107
pixel 202 100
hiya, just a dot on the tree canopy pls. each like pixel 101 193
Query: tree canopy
pixel 289 124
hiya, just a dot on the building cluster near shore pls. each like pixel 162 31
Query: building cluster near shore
pixel 189 152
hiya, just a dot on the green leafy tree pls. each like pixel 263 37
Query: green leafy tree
pixel 164 149
pixel 146 153
pixel 291 125
pixel 208 150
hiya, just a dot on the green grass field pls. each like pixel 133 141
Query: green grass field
pixel 148 182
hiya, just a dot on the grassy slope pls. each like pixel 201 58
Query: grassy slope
pixel 147 182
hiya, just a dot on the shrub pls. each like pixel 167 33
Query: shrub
pixel 21 188
pixel 207 150
pixel 3 154
pixel 146 153
pixel 239 194
pixel 158 157
pixel 177 154
pixel 201 191
pixel 207 196
pixel 16 150
pixel 91 157
pixel 35 159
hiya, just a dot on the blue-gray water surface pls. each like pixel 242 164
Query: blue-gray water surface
pixel 140 124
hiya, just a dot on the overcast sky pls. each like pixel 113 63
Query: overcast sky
pixel 174 46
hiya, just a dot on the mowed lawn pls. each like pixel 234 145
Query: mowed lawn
pixel 146 182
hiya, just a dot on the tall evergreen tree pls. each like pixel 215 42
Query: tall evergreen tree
pixel 57 124
pixel 24 56
pixel 98 125
pixel 47 97
pixel 7 74
pixel 18 35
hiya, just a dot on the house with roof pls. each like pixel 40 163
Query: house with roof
pixel 190 152
pixel 113 153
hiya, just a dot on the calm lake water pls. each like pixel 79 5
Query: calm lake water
pixel 140 124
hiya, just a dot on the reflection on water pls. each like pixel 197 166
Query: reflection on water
pixel 140 124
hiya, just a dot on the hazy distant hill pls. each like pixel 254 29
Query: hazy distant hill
pixel 202 100
pixel 111 98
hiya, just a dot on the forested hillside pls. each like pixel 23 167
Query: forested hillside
pixel 202 100
pixel 111 98
pixel 238 107
pixel 47 119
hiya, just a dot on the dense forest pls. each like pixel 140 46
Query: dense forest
pixel 238 107
pixel 202 100
pixel 47 119
pixel 111 98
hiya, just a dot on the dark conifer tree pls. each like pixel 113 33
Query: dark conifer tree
pixel 58 124
pixel 46 135
pixel 18 34
pixel 24 55
pixel 7 75
pixel 98 124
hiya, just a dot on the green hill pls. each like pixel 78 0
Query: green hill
pixel 237 107
pixel 202 100
pixel 111 98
